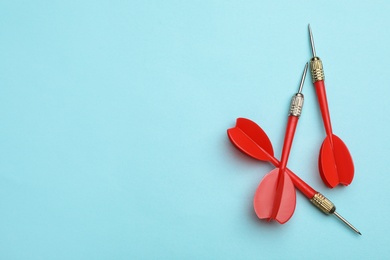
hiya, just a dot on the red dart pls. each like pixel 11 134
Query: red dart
pixel 249 138
pixel 334 161
pixel 275 196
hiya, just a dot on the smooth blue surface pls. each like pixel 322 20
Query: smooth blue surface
pixel 113 119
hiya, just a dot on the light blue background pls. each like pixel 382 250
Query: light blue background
pixel 113 119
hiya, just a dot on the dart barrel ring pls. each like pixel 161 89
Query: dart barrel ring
pixel 316 69
pixel 323 203
pixel 296 105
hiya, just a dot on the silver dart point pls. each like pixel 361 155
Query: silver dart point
pixel 303 78
pixel 313 48
pixel 326 206
pixel 346 222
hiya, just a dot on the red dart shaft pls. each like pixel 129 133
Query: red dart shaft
pixel 323 102
pixel 288 139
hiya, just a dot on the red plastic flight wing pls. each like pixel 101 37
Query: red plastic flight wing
pixel 248 137
pixel 335 162
pixel 265 196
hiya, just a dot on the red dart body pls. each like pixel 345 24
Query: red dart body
pixel 334 161
pixel 323 103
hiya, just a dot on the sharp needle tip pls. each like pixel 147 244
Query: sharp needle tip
pixel 346 222
pixel 303 77
pixel 313 49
